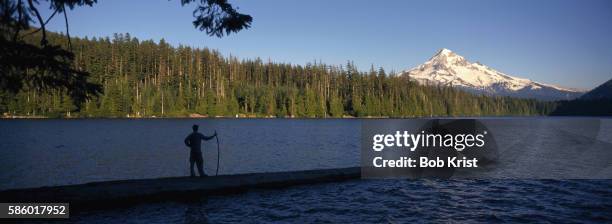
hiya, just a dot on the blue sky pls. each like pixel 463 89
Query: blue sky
pixel 567 43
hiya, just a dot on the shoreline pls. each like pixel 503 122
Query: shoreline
pixel 296 118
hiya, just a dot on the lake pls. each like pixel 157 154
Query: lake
pixel 60 152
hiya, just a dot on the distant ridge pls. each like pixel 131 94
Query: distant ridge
pixel 450 69
pixel 604 91
pixel 597 102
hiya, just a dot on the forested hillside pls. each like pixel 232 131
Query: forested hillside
pixel 597 102
pixel 146 79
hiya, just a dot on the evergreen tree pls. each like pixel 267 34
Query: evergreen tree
pixel 144 78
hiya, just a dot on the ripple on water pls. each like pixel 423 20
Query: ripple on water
pixel 387 201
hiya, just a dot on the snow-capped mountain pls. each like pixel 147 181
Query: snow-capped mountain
pixel 449 68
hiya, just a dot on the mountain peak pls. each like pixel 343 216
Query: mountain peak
pixel 446 58
pixel 444 51
pixel 450 69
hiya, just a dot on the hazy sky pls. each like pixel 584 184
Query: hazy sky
pixel 568 43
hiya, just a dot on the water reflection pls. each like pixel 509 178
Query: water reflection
pixel 196 212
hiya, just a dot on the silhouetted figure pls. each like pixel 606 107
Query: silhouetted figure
pixel 194 141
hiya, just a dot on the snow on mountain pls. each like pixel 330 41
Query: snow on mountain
pixel 450 69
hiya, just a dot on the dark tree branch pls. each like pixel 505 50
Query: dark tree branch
pixel 67 29
pixel 43 41
pixel 41 67
pixel 218 17
pixel 36 31
pixel 19 18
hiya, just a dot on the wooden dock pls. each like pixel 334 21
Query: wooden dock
pixel 125 192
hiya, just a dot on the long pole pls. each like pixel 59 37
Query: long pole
pixel 218 155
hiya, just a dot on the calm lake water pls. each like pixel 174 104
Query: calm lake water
pixel 59 152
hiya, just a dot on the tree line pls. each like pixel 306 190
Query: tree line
pixel 154 79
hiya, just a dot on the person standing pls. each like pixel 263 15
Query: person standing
pixel 194 142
